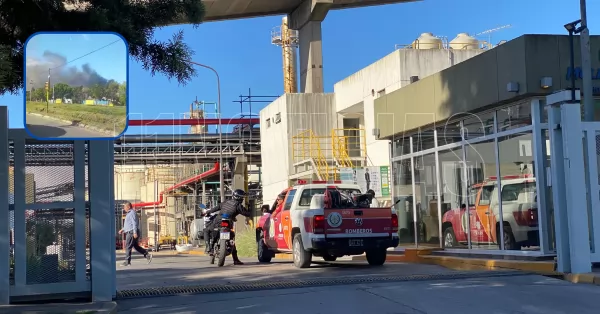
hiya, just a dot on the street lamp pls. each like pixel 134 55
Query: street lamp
pixel 572 29
pixel 221 179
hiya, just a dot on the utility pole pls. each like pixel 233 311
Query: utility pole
pixel 586 65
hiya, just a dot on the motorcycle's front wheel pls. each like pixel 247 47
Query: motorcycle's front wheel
pixel 222 252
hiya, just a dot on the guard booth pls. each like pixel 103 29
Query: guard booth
pixel 51 246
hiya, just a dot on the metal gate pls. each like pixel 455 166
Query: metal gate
pixel 592 146
pixel 48 217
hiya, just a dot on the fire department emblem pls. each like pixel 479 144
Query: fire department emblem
pixel 358 221
pixel 334 219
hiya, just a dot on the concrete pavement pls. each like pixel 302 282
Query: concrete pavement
pixel 176 270
pixel 51 128
pixel 520 294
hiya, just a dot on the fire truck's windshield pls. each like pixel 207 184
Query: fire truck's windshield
pixel 307 195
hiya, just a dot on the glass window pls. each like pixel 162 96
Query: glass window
pixel 452 198
pixel 448 133
pixel 478 125
pixel 401 147
pixel 289 200
pixel 481 178
pixel 307 195
pixel 404 208
pixel 518 193
pixel 423 140
pixel 426 199
pixel 514 116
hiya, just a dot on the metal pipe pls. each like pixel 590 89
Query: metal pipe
pixel 170 122
pixel 221 181
pixel 572 63
pixel 586 66
pixel 179 138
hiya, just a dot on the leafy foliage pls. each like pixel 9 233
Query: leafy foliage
pixel 136 20
pixel 113 91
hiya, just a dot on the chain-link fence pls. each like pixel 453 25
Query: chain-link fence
pixel 49 212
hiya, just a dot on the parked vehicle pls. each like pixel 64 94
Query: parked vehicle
pixel 328 221
pixel 519 215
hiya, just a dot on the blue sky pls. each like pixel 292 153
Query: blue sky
pixel 241 51
pixel 109 61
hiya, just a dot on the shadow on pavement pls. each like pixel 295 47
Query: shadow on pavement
pixel 187 270
pixel 43 131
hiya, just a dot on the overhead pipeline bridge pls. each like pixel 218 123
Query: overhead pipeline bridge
pixel 161 148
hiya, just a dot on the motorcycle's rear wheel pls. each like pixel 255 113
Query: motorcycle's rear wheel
pixel 222 252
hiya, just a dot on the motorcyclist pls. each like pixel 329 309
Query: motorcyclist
pixel 232 207
pixel 208 229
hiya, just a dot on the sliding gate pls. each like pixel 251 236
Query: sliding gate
pixel 49 226
pixel 592 144
pixel 57 213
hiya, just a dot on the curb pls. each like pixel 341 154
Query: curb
pixel 64 308
pixel 81 125
pixel 543 268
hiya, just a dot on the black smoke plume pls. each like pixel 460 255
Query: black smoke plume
pixel 37 70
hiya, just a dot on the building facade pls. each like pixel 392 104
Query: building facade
pixel 470 149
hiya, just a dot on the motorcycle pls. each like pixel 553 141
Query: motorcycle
pixel 224 246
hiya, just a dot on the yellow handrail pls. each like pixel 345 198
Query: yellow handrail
pixel 306 145
pixel 339 147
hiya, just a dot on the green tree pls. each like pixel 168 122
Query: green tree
pixel 123 94
pixel 39 94
pixel 135 20
pixel 78 95
pixel 97 91
pixel 62 90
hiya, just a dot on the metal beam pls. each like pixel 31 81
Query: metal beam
pixel 169 122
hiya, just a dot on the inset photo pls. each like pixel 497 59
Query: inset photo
pixel 76 85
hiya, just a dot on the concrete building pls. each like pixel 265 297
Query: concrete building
pixel 479 138
pixel 311 136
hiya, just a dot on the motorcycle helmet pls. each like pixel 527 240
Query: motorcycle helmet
pixel 238 195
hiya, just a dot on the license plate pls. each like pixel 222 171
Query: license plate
pixel 224 236
pixel 355 242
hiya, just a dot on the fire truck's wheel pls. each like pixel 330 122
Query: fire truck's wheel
pixel 302 257
pixel 329 258
pixel 449 238
pixel 263 252
pixel 509 240
pixel 376 257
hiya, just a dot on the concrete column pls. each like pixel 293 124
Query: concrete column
pixel 240 172
pixel 307 20
pixel 102 218
pixel 4 211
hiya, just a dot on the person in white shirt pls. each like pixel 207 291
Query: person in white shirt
pixel 374 201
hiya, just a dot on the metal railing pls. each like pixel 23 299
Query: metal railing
pixel 307 146
pixel 343 148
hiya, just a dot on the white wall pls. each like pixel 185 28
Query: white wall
pixel 390 73
pixel 274 149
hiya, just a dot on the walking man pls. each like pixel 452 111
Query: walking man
pixel 131 228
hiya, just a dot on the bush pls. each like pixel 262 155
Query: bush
pixel 245 240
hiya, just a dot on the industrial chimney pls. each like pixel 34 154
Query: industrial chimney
pixel 287 39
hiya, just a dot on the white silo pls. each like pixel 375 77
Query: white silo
pixel 427 41
pixel 464 41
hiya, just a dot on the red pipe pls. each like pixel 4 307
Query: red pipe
pixel 169 122
pixel 201 176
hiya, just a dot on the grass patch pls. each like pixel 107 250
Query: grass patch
pixel 102 117
pixel 245 241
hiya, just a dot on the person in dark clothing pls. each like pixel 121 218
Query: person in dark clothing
pixel 368 178
pixel 232 208
pixel 131 229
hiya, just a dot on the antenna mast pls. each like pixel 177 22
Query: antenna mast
pixel 288 40
pixel 489 33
